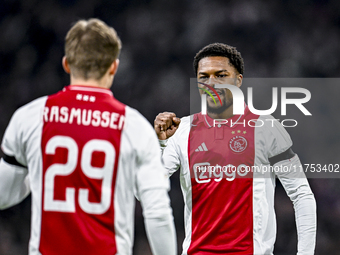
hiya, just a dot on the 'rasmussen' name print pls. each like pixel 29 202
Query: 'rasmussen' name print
pixel 85 117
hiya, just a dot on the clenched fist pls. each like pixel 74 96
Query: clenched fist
pixel 166 124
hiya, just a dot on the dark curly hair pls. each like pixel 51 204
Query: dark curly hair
pixel 220 50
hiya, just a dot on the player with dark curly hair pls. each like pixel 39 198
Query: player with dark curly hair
pixel 228 195
pixel 221 50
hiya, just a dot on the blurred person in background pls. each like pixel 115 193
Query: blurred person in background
pixel 229 209
pixel 81 154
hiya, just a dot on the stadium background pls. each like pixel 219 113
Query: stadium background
pixel 284 38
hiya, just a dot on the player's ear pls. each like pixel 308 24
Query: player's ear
pixel 66 65
pixel 239 80
pixel 114 67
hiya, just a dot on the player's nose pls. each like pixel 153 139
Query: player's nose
pixel 211 81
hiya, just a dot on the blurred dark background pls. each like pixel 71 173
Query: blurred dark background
pixel 277 39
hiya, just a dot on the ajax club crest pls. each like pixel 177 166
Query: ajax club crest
pixel 238 143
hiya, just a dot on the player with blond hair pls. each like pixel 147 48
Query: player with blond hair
pixel 84 156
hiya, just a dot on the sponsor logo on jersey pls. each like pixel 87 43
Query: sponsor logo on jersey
pixel 205 172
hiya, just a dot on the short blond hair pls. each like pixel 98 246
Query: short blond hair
pixel 91 46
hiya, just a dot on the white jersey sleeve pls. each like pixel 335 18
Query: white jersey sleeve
pixel 172 153
pixel 291 175
pixel 299 192
pixel 15 185
pixel 150 174
pixel 151 185
pixel 170 156
pixel 276 138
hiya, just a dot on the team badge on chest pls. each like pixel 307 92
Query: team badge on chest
pixel 238 143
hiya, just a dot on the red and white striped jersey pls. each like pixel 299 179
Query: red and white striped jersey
pixel 88 156
pixel 229 200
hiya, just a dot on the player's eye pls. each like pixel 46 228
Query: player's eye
pixel 203 78
pixel 221 75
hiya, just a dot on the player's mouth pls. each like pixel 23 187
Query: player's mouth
pixel 219 92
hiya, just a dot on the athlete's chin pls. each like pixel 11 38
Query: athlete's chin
pixel 212 104
pixel 216 109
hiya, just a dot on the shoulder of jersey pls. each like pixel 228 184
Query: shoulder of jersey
pixel 36 104
pixel 269 121
pixel 184 126
pixel 135 118
pixel 274 127
pixel 185 122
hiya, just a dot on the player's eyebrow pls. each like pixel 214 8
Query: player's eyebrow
pixel 217 72
pixel 222 71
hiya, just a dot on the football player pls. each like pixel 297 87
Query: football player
pixel 84 156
